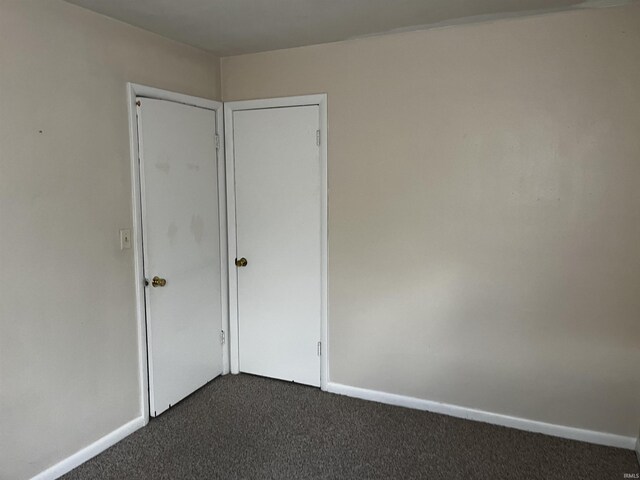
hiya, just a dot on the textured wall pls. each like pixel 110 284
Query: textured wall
pixel 484 211
pixel 68 347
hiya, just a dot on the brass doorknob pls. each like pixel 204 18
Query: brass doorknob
pixel 158 282
pixel 241 262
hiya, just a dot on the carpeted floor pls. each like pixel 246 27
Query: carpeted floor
pixel 245 427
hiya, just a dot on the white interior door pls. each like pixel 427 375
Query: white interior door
pixel 278 232
pixel 181 241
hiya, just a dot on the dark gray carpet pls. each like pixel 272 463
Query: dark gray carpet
pixel 245 427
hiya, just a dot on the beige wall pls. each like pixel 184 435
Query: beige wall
pixel 68 351
pixel 484 230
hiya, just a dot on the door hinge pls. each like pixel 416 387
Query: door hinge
pixel 319 349
pixel 217 142
pixel 223 337
pixel 318 137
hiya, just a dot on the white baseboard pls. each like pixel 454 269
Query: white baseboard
pixel 572 433
pixel 91 451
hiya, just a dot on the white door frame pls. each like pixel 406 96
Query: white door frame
pixel 134 91
pixel 229 107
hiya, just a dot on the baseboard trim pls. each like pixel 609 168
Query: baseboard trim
pixel 91 451
pixel 590 436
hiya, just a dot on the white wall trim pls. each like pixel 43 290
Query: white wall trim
pixel 590 436
pixel 134 91
pixel 229 108
pixel 91 451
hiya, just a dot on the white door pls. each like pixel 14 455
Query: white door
pixel 278 232
pixel 181 241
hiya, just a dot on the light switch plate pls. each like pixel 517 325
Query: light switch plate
pixel 125 239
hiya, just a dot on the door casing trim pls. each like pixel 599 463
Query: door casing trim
pixel 133 91
pixel 297 101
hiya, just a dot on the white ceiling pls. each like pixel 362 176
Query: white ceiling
pixel 228 27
